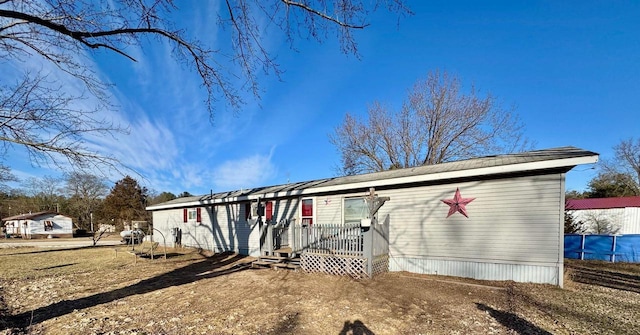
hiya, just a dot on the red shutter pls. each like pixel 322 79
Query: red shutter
pixel 184 215
pixel 307 207
pixel 198 216
pixel 269 210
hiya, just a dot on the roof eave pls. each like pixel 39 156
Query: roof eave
pixel 494 170
pixel 503 169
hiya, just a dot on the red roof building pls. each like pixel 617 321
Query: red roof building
pixel 602 203
pixel 606 215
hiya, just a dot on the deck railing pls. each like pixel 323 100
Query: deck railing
pixel 341 240
pixel 346 249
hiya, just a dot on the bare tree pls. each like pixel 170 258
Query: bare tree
pixel 44 192
pixel 64 33
pixel 6 175
pixel 625 166
pixel 438 122
pixel 599 222
pixel 40 117
pixel 85 192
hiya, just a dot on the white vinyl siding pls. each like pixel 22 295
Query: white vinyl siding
pixel 631 224
pixel 329 209
pixel 285 209
pixel 512 232
pixel 627 219
pixel 223 228
pixel 511 220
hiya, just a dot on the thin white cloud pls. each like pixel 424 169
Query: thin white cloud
pixel 245 172
pixel 150 145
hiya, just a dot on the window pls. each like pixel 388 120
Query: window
pixel 191 214
pixel 48 225
pixel 307 212
pixel 354 210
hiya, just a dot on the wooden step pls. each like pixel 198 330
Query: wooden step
pixel 261 264
pixel 285 266
pixel 278 262
pixel 273 258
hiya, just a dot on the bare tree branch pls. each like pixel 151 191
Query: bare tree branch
pixel 623 168
pixel 323 15
pixel 437 123
pixel 65 33
pixel 38 116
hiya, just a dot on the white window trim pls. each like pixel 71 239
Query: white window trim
pixel 314 216
pixel 344 207
pixel 195 214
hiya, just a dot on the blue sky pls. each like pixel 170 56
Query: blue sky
pixel 571 69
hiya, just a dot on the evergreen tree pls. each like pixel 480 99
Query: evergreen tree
pixel 126 202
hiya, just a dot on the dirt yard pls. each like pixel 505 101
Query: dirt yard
pixel 107 291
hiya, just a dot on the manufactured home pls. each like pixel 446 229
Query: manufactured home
pixel 492 218
pixel 39 225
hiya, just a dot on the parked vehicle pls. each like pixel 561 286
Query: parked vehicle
pixel 132 236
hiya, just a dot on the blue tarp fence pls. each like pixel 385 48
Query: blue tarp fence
pixel 610 248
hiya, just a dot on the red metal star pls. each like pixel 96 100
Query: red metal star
pixel 458 203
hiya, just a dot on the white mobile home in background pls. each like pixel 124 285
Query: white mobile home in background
pixel 39 225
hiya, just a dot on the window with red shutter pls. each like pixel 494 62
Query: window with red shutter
pixel 269 210
pixel 184 215
pixel 307 211
pixel 198 215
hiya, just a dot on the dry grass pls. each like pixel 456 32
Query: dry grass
pixel 90 291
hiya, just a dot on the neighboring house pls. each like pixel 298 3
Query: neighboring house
pixel 492 218
pixel 39 225
pixel 606 215
pixel 108 228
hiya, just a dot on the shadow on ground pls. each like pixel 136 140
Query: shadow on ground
pixel 513 321
pixel 207 268
pixel 355 328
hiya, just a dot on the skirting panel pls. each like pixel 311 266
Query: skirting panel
pixel 353 267
pixel 478 270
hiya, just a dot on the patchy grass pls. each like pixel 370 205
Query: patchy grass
pixel 101 291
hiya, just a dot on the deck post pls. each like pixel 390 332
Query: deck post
pixel 269 239
pixel 292 236
pixel 367 251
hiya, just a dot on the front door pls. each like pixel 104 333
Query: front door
pixel 307 216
